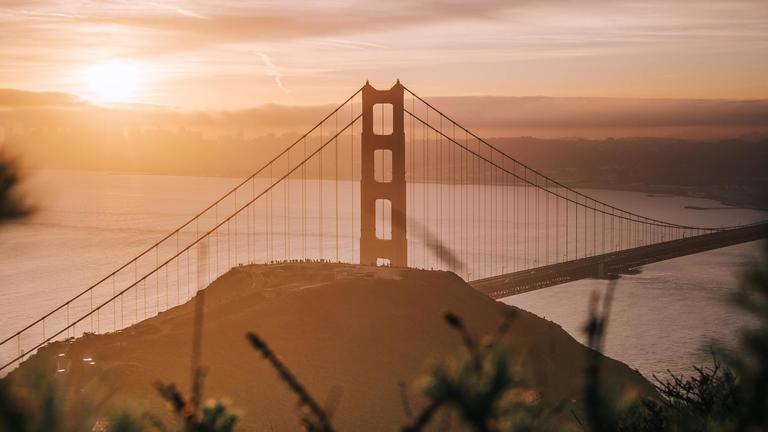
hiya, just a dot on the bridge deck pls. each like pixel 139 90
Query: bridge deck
pixel 614 263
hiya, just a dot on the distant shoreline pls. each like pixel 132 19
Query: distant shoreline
pixel 734 201
pixel 712 208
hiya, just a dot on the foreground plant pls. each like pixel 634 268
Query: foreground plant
pixel 11 204
pixel 43 405
pixel 730 395
pixel 194 416
pixel 479 387
pixel 752 364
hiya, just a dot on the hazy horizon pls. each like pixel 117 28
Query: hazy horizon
pixel 490 116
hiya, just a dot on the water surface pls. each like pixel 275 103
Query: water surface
pixel 87 224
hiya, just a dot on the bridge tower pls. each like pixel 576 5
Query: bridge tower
pixel 388 189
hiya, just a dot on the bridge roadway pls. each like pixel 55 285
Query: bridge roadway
pixel 612 264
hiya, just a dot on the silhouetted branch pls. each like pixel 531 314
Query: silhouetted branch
pixel 320 422
pixel 456 323
pixel 504 327
pixel 196 371
pixel 599 414
pixel 424 417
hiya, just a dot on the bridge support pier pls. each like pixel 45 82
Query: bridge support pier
pixel 388 189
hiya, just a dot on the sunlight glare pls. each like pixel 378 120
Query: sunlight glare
pixel 114 81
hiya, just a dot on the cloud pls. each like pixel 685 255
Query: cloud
pixel 200 24
pixel 13 98
pixel 60 110
pixel 274 72
pixel 558 112
pixel 488 116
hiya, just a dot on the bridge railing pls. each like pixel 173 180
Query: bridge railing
pixel 255 222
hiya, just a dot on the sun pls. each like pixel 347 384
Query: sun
pixel 114 81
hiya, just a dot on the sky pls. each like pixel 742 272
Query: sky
pixel 236 54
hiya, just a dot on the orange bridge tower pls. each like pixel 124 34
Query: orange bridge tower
pixel 384 194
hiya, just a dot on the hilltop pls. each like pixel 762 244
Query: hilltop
pixel 350 333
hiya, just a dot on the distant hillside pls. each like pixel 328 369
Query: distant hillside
pixel 349 332
pixel 733 171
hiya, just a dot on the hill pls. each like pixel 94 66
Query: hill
pixel 350 334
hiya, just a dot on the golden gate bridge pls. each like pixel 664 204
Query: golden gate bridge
pixel 386 178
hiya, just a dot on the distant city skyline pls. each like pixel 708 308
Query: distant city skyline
pixel 230 55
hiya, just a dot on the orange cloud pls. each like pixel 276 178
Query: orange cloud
pixel 12 98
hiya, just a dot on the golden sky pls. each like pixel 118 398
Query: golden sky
pixel 231 54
